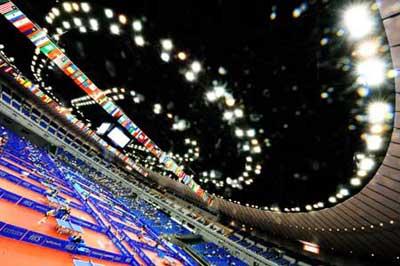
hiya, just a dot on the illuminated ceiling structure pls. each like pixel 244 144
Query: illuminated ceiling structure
pixel 256 125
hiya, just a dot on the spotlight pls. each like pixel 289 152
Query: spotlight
pixel 355 182
pixel 114 28
pixel 109 13
pixel 139 40
pixel 239 132
pixel 372 71
pixel 211 96
pixel 196 66
pixel 67 6
pixel 366 164
pixel 238 113
pixel 165 57
pixel 167 44
pixel 332 199
pixel 374 142
pixel 358 20
pixel 85 7
pixel 137 25
pixel 367 48
pixel 189 75
pixel 94 24
pixel 182 56
pixel 122 19
pixel 378 112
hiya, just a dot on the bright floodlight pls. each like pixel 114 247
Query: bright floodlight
pixel 355 181
pixel 77 21
pixel 219 90
pixel 238 113
pixel 358 20
pixel 374 142
pixel 94 24
pixel 367 48
pixel 139 40
pixel 85 7
pixel 189 75
pixel 344 192
pixel 122 19
pixel 308 207
pixel 56 11
pixel 230 101
pixel 109 13
pixel 239 132
pixel 196 66
pixel 228 115
pixel 378 112
pixel 332 199
pixel 211 96
pixel 182 56
pixel 67 6
pixel 137 25
pixel 114 28
pixel 251 133
pixel 157 108
pixel 372 71
pixel 165 57
pixel 366 164
pixel 66 24
pixel 167 44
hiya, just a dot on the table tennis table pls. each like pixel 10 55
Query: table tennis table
pixel 67 227
pixel 85 263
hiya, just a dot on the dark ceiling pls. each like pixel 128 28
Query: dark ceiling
pixel 292 76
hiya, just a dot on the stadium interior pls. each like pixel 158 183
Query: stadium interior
pixel 190 133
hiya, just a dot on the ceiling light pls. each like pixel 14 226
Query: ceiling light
pixel 196 66
pixel 371 71
pixel 308 207
pixel 94 24
pixel 75 6
pixel 182 56
pixel 157 108
pixel 139 40
pixel 114 28
pixel 238 113
pixel 239 132
pixel 256 149
pixel 49 19
pixel 228 115
pixel 366 164
pixel 250 133
pixel 229 101
pixel 66 24
pixel 122 19
pixel 358 20
pixel 190 76
pixel 137 25
pixel 355 181
pixel 55 11
pixel 82 29
pixel 367 48
pixel 167 44
pixel 109 13
pixel 165 57
pixel 374 142
pixel 344 192
pixel 376 129
pixel 77 21
pixel 85 7
pixel 378 112
pixel 332 199
pixel 67 6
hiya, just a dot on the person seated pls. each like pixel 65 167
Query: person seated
pixel 64 212
pixel 51 212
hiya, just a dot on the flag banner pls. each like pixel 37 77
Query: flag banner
pixel 69 68
pixel 6 7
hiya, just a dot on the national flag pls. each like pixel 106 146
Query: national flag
pixel 93 87
pixel 26 27
pixel 37 35
pixel 29 30
pixel 125 123
pixel 42 42
pixel 142 137
pixel 46 48
pixel 13 14
pixel 21 21
pixel 61 61
pixel 71 69
pixel 82 78
pixel 53 54
pixel 7 7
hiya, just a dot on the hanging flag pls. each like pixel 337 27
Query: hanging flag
pixel 6 7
